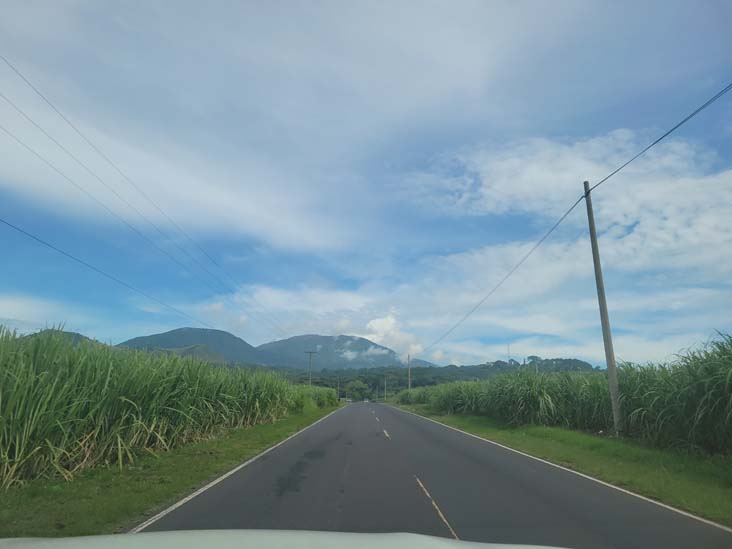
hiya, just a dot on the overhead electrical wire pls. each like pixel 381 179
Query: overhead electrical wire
pixel 102 272
pixel 276 323
pixel 227 288
pixel 103 205
pixel 511 271
pixel 505 277
pixel 521 261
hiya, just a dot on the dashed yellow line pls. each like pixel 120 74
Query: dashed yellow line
pixel 387 434
pixel 434 504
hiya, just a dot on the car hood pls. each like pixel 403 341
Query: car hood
pixel 259 539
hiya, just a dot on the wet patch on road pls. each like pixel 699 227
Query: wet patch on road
pixel 290 481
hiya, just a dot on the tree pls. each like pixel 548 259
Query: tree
pixel 357 390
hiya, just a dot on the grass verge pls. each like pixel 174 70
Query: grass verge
pixel 696 483
pixel 106 500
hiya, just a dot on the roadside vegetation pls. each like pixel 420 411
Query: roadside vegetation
pixel 66 406
pixel 369 382
pixel 106 500
pixel 685 404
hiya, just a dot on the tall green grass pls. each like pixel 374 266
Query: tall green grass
pixel 66 407
pixel 686 403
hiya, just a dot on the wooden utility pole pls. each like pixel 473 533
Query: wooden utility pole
pixel 607 338
pixel 409 374
pixel 310 365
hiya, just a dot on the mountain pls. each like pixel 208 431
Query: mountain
pixel 212 345
pixel 333 352
pixel 74 337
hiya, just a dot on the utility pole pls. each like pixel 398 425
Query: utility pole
pixel 310 365
pixel 509 353
pixel 338 390
pixel 607 338
pixel 409 374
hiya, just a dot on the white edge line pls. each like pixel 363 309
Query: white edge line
pixel 189 497
pixel 644 498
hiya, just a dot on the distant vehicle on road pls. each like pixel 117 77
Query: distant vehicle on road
pixel 365 400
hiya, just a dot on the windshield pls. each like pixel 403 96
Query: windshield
pixel 457 269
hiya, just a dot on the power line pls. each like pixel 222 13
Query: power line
pixel 102 272
pixel 506 276
pixel 691 115
pixel 104 206
pixel 572 207
pixel 107 186
pixel 139 190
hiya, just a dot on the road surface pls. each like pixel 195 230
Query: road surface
pixel 373 468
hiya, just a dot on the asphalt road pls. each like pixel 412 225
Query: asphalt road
pixel 373 468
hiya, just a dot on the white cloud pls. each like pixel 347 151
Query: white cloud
pixel 290 137
pixel 662 232
pixel 387 331
pixel 350 355
pixel 376 351
pixel 29 313
pixel 269 131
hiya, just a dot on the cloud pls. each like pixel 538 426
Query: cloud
pixel 350 355
pixel 661 232
pixel 269 131
pixel 381 181
pixel 30 313
pixel 376 351
pixel 387 331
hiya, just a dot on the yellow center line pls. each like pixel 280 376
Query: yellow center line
pixel 387 434
pixel 434 504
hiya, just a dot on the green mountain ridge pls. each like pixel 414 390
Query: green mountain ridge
pixel 75 337
pixel 333 353
pixel 213 345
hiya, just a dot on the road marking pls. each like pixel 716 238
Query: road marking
pixel 437 508
pixel 188 498
pixel 588 477
pixel 387 434
pixel 377 419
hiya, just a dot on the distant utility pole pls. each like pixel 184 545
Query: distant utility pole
pixel 338 390
pixel 509 353
pixel 409 374
pixel 612 372
pixel 310 365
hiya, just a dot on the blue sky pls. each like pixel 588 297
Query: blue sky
pixel 373 170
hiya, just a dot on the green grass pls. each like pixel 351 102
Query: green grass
pixel 106 499
pixel 695 482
